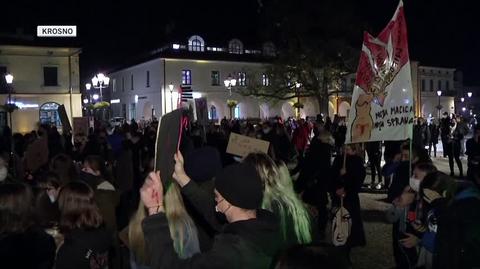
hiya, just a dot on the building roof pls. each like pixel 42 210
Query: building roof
pixel 36 46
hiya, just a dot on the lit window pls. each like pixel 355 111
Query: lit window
pixel 265 80
pixel 242 79
pixel 196 43
pixel 176 46
pixel 114 85
pixel 237 112
pixel 186 77
pixel 212 113
pixel 235 46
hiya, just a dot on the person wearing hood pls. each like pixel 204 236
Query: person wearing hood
pixel 249 240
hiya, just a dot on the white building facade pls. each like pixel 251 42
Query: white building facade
pixel 44 78
pixel 432 81
pixel 142 90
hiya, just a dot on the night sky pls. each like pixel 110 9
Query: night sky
pixel 441 32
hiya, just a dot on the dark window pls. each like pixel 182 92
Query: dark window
pixel 50 76
pixel 242 79
pixel 186 77
pixel 123 84
pixel 423 85
pixel 124 111
pixel 431 85
pixel 131 82
pixel 439 85
pixel 3 82
pixel 215 78
pixel 447 85
pixel 148 79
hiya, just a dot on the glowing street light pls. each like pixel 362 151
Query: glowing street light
pixel 85 101
pixel 229 83
pixel 100 81
pixel 469 94
pixel 95 97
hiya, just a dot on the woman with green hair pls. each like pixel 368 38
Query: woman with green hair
pixel 280 198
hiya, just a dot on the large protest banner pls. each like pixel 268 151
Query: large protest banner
pixel 201 110
pixel 382 99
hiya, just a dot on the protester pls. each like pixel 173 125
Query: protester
pixel 22 243
pixel 280 198
pixel 348 177
pixel 374 153
pixel 250 240
pixel 86 243
pixel 434 133
pixel 315 177
pixel 453 147
pixel 473 153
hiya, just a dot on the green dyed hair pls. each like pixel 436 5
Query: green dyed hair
pixel 279 196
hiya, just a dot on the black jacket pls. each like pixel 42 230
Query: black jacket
pixel 457 244
pixel 242 244
pixel 84 249
pixel 31 249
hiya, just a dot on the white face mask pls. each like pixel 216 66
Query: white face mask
pixel 3 173
pixel 414 184
pixel 52 198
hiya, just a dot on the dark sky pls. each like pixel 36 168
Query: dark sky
pixel 441 32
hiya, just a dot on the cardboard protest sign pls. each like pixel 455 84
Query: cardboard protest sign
pixel 80 125
pixel 241 145
pixel 168 138
pixel 201 110
pixel 62 113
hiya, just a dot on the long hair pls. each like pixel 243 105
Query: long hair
pixel 15 208
pixel 182 228
pixel 78 209
pixel 279 194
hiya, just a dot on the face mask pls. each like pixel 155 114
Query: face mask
pixel 52 198
pixel 3 173
pixel 414 184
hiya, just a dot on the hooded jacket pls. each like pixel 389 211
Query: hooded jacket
pixel 250 243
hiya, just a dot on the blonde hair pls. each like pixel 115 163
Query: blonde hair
pixel 182 228
pixel 279 194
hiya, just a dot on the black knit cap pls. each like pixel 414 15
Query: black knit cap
pixel 240 185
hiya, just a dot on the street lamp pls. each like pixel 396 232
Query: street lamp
pixel 439 107
pixel 95 97
pixel 229 83
pixel 85 101
pixel 100 81
pixel 9 80
pixel 171 87
pixel 469 94
pixel 462 99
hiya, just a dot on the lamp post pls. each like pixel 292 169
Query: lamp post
pixel 9 80
pixel 229 83
pixel 469 94
pixel 171 87
pixel 100 81
pixel 439 107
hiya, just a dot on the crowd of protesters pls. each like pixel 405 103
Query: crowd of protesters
pixel 94 201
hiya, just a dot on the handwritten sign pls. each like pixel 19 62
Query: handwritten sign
pixel 80 125
pixel 241 145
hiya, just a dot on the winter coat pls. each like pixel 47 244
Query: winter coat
pixel 31 249
pixel 242 244
pixel 352 182
pixel 84 249
pixel 434 133
pixel 400 180
pixel 457 244
pixel 315 174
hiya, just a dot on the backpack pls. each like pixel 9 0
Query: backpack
pixel 341 226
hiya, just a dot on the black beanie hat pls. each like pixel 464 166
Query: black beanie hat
pixel 240 185
pixel 203 164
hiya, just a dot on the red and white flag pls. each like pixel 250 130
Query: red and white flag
pixel 382 99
